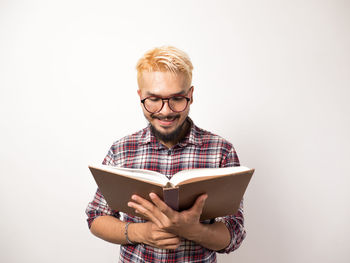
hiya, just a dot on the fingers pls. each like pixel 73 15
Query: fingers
pixel 170 243
pixel 165 240
pixel 167 225
pixel 162 215
pixel 141 208
pixel 158 211
pixel 199 204
pixel 163 207
pixel 157 237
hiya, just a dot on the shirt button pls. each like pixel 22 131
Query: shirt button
pixel 169 152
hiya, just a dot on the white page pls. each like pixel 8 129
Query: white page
pixel 201 172
pixel 145 175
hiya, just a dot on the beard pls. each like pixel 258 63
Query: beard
pixel 168 137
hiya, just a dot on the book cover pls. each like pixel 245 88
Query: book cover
pixel 225 188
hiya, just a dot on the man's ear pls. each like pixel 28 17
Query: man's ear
pixel 191 94
pixel 139 92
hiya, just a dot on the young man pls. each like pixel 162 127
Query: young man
pixel 170 143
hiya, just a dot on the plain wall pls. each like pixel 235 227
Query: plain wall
pixel 270 76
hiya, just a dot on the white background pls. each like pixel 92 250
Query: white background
pixel 270 76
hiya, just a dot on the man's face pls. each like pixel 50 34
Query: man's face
pixel 166 124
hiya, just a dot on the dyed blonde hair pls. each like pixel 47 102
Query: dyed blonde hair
pixel 165 59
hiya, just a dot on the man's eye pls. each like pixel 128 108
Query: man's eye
pixel 177 98
pixel 154 99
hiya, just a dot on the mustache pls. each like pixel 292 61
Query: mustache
pixel 164 117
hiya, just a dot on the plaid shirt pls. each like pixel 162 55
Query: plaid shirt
pixel 199 149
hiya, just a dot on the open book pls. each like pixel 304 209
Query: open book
pixel 225 187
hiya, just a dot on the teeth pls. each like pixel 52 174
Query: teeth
pixel 168 119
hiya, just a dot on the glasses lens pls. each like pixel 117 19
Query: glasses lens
pixel 153 104
pixel 178 103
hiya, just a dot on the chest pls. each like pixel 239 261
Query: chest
pixel 170 161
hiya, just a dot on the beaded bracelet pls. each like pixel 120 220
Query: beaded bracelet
pixel 126 234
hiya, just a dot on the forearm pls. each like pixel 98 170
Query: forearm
pixel 212 236
pixel 109 229
pixel 112 230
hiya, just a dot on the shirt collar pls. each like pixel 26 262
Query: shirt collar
pixel 193 137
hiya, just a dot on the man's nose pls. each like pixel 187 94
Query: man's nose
pixel 166 109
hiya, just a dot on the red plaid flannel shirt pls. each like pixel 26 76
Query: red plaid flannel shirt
pixel 199 149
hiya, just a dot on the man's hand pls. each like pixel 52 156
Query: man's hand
pixel 183 224
pixel 150 234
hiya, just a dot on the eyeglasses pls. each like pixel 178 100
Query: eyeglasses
pixel 154 104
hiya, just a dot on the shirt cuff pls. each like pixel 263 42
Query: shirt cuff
pixel 237 233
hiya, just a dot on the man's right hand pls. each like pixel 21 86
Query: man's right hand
pixel 150 234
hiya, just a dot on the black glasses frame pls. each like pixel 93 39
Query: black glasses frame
pixel 164 99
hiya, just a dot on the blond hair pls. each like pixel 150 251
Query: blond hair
pixel 165 58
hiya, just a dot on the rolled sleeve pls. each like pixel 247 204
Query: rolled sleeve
pixel 98 207
pixel 235 225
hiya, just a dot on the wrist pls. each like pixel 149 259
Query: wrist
pixel 134 232
pixel 195 232
pixel 127 233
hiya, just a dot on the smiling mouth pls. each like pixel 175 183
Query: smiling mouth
pixel 166 121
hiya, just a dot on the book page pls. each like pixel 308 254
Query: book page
pixel 205 172
pixel 141 174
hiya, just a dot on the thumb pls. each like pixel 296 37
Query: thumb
pixel 199 204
